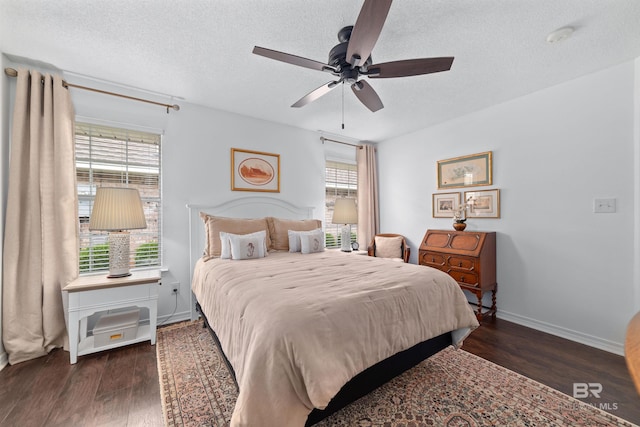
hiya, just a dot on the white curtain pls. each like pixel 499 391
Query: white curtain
pixel 41 230
pixel 368 216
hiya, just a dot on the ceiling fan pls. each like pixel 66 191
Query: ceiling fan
pixel 351 59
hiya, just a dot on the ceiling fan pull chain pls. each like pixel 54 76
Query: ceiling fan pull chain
pixel 342 105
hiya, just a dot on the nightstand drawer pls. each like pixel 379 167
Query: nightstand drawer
pixel 433 259
pixel 468 278
pixel 462 263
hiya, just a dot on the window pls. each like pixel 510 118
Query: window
pixel 113 157
pixel 341 180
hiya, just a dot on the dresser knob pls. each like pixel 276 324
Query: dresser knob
pixel 460 264
pixel 462 278
pixel 433 260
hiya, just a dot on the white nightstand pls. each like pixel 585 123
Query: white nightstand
pixel 90 294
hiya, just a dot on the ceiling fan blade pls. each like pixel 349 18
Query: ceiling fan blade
pixel 367 95
pixel 292 59
pixel 315 94
pixel 366 30
pixel 410 67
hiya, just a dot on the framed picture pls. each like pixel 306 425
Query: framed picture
pixel 444 204
pixel 466 171
pixel 483 204
pixel 255 171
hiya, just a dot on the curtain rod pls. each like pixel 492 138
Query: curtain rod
pixel 323 139
pixel 11 72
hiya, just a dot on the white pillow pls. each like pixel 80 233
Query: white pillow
pixel 247 246
pixel 294 239
pixel 225 245
pixel 225 242
pixel 311 241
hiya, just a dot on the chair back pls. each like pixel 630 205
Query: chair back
pixel 405 249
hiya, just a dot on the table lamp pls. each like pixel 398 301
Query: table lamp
pixel 117 210
pixel 345 213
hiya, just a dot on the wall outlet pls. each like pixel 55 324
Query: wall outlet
pixel 604 205
pixel 175 289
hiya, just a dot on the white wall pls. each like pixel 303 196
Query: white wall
pixel 561 268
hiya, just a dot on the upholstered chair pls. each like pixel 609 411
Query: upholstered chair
pixel 389 245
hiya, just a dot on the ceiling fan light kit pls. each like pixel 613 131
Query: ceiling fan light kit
pixel 346 59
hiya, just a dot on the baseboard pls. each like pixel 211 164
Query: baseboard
pixel 4 360
pixel 591 341
pixel 175 318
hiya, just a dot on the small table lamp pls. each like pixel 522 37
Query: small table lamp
pixel 345 213
pixel 116 210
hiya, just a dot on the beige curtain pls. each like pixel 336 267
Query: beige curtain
pixel 368 216
pixel 41 234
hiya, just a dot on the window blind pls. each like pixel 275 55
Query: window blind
pixel 341 180
pixel 114 157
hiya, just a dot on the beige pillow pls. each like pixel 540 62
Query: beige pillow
pixel 215 224
pixel 279 230
pixel 388 247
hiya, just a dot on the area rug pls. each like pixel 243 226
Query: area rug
pixel 453 388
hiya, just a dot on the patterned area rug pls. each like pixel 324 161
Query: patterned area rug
pixel 453 388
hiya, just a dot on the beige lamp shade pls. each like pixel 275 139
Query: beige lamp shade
pixel 117 209
pixel 345 212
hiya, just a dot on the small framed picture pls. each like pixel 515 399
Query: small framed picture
pixel 466 171
pixel 445 204
pixel 483 204
pixel 255 171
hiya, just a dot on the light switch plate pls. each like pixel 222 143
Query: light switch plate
pixel 604 205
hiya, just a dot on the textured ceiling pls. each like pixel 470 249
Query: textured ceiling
pixel 200 51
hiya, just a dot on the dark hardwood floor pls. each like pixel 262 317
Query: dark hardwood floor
pixel 558 363
pixel 113 388
pixel 120 387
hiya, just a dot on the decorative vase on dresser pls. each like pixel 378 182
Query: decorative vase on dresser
pixel 459 226
pixel 467 256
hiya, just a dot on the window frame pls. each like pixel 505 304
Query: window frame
pixel 348 188
pixel 132 174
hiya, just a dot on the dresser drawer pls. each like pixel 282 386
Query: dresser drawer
pixel 462 263
pixel 433 259
pixel 468 278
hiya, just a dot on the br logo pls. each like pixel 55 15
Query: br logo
pixel 582 390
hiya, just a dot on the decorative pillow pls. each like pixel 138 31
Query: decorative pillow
pixel 388 247
pixel 279 230
pixel 225 242
pixel 294 239
pixel 312 241
pixel 247 246
pixel 215 224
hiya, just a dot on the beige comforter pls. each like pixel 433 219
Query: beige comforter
pixel 297 327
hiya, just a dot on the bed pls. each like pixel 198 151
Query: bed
pixel 307 333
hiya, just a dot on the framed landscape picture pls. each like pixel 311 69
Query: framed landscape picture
pixel 466 171
pixel 483 204
pixel 255 171
pixel 444 204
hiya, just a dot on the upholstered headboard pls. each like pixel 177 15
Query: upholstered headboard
pixel 245 207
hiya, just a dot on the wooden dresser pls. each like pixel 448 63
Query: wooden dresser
pixel 467 256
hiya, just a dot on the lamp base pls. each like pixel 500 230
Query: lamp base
pixel 116 276
pixel 345 238
pixel 118 254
